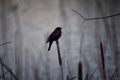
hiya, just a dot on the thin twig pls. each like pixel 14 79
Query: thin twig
pixel 79 14
pixel 104 17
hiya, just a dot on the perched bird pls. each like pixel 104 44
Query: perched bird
pixel 54 36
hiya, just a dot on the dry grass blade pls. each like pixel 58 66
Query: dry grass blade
pixel 103 61
pixel 114 74
pixel 87 76
pixel 80 71
pixel 94 72
pixel 2 70
pixel 70 78
pixel 59 55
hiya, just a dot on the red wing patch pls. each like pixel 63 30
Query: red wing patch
pixel 57 32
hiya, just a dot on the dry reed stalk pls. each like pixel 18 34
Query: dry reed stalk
pixel 1 76
pixel 1 44
pixel 11 76
pixel 9 70
pixel 2 69
pixel 67 77
pixel 114 74
pixel 59 55
pixel 87 77
pixel 70 78
pixel 103 61
pixel 94 72
pixel 80 71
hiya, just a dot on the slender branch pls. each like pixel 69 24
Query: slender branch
pixel 104 17
pixel 78 13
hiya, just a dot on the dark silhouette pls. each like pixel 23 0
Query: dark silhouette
pixel 54 36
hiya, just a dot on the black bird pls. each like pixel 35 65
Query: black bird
pixel 54 36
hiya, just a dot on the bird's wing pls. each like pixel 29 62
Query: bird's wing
pixel 53 34
pixel 48 39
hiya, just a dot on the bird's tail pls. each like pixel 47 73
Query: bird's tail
pixel 50 43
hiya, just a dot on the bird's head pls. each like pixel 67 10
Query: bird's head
pixel 58 28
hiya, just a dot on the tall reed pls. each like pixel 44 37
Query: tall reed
pixel 103 61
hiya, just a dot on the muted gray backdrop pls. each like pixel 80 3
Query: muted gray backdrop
pixel 28 23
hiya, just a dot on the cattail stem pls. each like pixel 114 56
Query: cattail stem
pixel 62 72
pixel 59 58
pixel 80 71
pixel 59 55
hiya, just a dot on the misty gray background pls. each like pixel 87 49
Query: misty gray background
pixel 28 23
